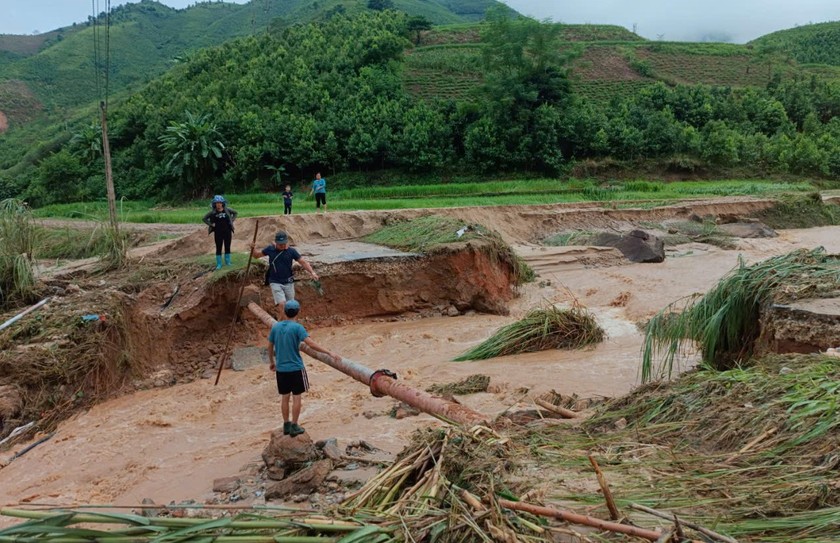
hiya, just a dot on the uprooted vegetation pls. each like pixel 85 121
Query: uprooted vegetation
pixel 745 453
pixel 726 321
pixel 541 329
pixel 749 452
pixel 430 233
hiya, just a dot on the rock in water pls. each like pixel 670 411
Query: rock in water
pixel 287 452
pixel 636 245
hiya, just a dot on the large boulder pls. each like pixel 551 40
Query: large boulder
pixel 287 454
pixel 636 245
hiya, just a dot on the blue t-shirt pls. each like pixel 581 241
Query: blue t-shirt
pixel 319 186
pixel 280 264
pixel 286 337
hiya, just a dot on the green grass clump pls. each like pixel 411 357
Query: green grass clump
pixel 71 243
pixel 725 321
pixel 541 329
pixel 17 239
pixel 468 385
pixel 424 234
pixel 801 211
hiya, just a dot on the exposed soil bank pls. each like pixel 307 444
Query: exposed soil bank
pixel 806 326
pixel 187 336
pixel 516 224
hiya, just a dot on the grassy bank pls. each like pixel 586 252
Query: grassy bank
pixel 515 192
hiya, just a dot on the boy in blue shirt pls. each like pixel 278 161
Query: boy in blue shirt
pixel 284 352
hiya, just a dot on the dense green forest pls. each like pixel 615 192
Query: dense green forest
pixel 146 38
pixel 814 43
pixel 333 95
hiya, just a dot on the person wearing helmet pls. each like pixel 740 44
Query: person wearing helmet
pixel 219 221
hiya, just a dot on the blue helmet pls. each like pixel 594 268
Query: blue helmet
pixel 216 199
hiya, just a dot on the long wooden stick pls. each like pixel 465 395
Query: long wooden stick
pixel 562 411
pixel 670 516
pixel 583 520
pixel 223 359
pixel 605 489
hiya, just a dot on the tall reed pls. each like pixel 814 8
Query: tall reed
pixel 17 240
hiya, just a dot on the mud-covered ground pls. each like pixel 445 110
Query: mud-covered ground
pixel 170 443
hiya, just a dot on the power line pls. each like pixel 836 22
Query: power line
pixel 93 7
pixel 107 51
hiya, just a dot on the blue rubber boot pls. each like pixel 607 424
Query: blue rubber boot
pixel 218 262
pixel 227 259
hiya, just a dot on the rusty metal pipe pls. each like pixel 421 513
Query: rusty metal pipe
pixel 382 384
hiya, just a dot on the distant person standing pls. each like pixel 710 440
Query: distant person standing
pixel 319 187
pixel 287 200
pixel 219 221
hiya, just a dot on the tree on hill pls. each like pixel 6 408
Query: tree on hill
pixel 417 24
pixel 526 89
pixel 195 152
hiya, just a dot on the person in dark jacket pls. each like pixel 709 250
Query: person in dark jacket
pixel 219 221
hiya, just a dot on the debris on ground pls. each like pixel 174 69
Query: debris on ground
pixel 541 329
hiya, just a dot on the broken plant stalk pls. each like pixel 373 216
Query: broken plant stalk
pixel 605 488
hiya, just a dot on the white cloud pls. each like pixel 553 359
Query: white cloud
pixel 742 20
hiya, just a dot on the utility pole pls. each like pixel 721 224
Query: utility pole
pixel 109 178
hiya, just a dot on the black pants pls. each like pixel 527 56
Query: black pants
pixel 223 237
pixel 320 198
pixel 287 208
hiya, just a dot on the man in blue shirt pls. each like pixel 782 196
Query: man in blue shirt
pixel 281 276
pixel 319 187
pixel 284 353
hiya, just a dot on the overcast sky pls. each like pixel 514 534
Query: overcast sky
pixel 734 20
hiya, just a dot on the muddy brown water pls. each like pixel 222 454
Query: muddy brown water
pixel 169 444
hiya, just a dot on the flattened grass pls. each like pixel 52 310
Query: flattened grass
pixel 541 329
pixel 424 233
pixel 751 453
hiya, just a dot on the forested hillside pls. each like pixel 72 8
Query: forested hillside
pixel 357 94
pixel 815 43
pixel 144 39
